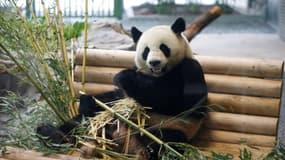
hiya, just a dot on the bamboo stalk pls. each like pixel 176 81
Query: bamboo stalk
pixel 242 123
pixel 46 50
pixel 73 107
pixel 72 59
pixel 33 39
pixel 142 130
pixel 35 84
pixel 85 47
pixel 48 21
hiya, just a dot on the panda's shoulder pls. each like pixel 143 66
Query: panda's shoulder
pixel 190 63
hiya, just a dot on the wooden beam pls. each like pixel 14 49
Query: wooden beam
pixel 253 67
pixel 281 125
pixel 201 22
pixel 236 137
pixel 242 123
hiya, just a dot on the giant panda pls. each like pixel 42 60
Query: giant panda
pixel 166 77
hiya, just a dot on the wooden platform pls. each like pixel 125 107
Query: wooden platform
pixel 249 91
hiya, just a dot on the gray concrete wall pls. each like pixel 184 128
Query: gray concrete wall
pixel 282 19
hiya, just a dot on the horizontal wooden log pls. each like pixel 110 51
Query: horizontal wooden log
pixel 92 88
pixel 236 137
pixel 243 85
pixel 22 154
pixel 242 66
pixel 234 149
pixel 244 104
pixel 219 102
pixel 252 67
pixel 108 58
pixel 96 74
pixel 242 123
pixel 216 83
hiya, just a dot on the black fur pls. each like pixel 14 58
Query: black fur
pixel 178 26
pixel 177 91
pixel 87 108
pixel 136 34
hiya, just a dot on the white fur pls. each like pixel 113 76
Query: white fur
pixel 153 38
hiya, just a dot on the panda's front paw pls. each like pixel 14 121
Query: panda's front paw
pixel 88 106
pixel 125 78
pixel 52 133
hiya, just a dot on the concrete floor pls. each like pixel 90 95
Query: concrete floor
pixel 259 45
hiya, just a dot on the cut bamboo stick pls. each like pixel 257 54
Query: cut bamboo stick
pixel 242 123
pixel 216 83
pixel 236 138
pixel 226 148
pixel 243 85
pixel 92 88
pixel 252 67
pixel 244 104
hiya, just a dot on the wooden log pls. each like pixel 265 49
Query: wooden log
pixel 22 154
pixel 211 64
pixel 264 68
pixel 201 22
pixel 107 58
pixel 244 104
pixel 242 123
pixel 243 85
pixel 92 88
pixel 229 103
pixel 236 138
pixel 226 148
pixel 96 74
pixel 216 83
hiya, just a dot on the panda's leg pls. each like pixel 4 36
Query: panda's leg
pixel 62 134
pixel 87 108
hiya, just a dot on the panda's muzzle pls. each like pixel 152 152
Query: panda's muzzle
pixel 155 63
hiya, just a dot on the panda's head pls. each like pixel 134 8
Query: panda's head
pixel 160 48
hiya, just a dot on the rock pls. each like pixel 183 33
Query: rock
pixel 107 34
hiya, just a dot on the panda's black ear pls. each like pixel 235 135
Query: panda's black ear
pixel 136 34
pixel 178 26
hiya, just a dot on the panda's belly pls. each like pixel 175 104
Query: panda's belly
pixel 163 95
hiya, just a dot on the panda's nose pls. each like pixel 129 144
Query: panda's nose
pixel 154 63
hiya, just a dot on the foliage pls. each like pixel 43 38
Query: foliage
pixel 73 30
pixel 277 153
pixel 24 114
pixel 34 47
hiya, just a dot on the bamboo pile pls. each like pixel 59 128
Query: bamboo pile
pixel 248 90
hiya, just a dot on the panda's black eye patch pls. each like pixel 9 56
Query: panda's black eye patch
pixel 145 53
pixel 165 50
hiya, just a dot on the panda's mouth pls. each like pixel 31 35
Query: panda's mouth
pixel 158 70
